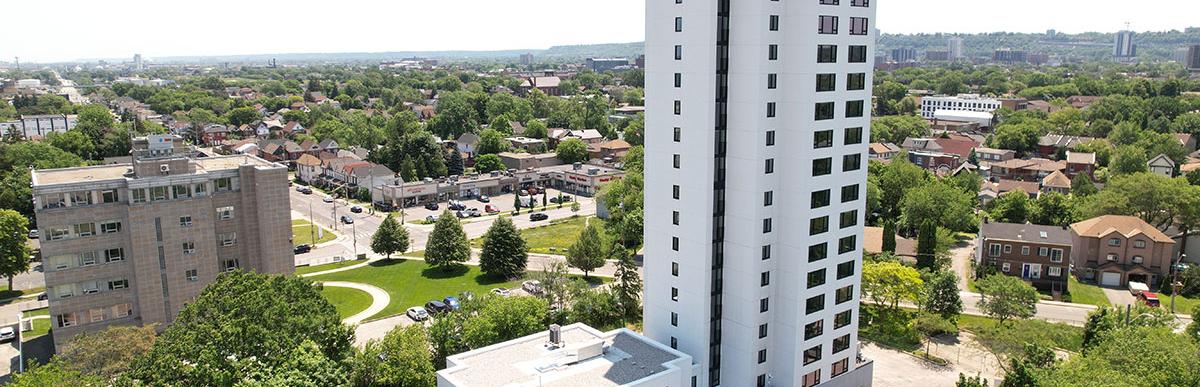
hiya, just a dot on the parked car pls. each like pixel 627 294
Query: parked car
pixel 301 249
pixel 307 191
pixel 1137 288
pixel 356 209
pixel 431 218
pixel 328 199
pixel 461 214
pixel 474 212
pixel 7 334
pixel 382 206
pixel 532 190
pixel 43 296
pixel 1150 299
pixel 417 313
pixel 456 206
pixel 431 206
pixel 490 209
pixel 452 303
pixel 347 219
pixel 532 286
pixel 33 234
pixel 300 188
pixel 484 199
pixel 502 292
pixel 435 307
pixel 565 199
pixel 538 216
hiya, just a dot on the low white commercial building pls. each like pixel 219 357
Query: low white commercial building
pixel 582 356
pixel 961 102
pixel 983 119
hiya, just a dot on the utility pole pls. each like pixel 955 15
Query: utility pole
pixel 312 229
pixel 354 232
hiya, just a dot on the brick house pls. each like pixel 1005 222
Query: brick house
pixel 1113 250
pixel 1037 254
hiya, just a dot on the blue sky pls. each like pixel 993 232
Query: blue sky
pixel 71 29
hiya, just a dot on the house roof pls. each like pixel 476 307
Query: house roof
pixel 1005 185
pixel 468 139
pixel 1184 138
pixel 292 126
pixel 993 151
pixel 1081 158
pixel 884 147
pixel 329 143
pixel 873 243
pixel 615 144
pixel 292 147
pixel 1056 180
pixel 308 145
pixel 1062 141
pixel 308 160
pixel 1026 233
pixel 957 145
pixel 1125 225
pixel 1033 164
pixel 1161 160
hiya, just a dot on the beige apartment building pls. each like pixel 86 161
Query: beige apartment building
pixel 133 243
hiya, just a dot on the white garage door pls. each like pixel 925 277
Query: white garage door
pixel 1110 279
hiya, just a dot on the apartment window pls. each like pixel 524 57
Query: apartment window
pixel 1005 267
pixel 824 111
pixel 858 54
pixel 858 26
pixel 773 23
pixel 848 219
pixel 65 291
pixel 843 295
pixel 816 278
pixel 114 255
pixel 229 265
pixel 181 191
pixel 678 133
pixel 118 284
pixel 814 304
pixel 769 166
pixel 66 320
pixel 137 195
pixel 772 81
pixel 822 139
pixel 86 259
pixel 764 305
pixel 108 196
pixel 229 239
pixel 827 25
pixel 814 329
pixel 675 269
pixel 674 294
pixel 827 53
pixel 845 270
pixel 1054 271
pixel 85 229
pixel 122 310
pixel 766 252
pixel 818 226
pixel 1025 250
pixel 185 221
pixel 849 193
pixel 91 287
pixel 829 2
pixel 852 136
pixel 96 315
pixel 854 109
pixel 1008 249
pixel 110 227
pixel 847 244
pixel 675 243
pixel 158 193
pixel 773 52
pixel 860 3
pixel 224 184
pixel 58 233
pixel 675 218
pixel 200 190
pixel 994 250
pixel 762 356
pixel 764 278
pixel 818 252
pixel 770 110
pixel 675 344
pixel 1114 242
pixel 766 225
pixel 826 82
pixel 674 319
pixel 678 108
pixel 839 367
pixel 762 331
pixel 768 198
pixel 191 275
pixel 812 378
pixel 856 81
pixel 675 192
pixel 678 52
pixel 822 167
pixel 189 248
pixel 82 198
pixel 1141 244
pixel 820 198
pixel 841 343
pixel 1137 259
pixel 1043 251
pixel 851 162
pixel 761 380
pixel 1056 255
pixel 842 319
pixel 675 161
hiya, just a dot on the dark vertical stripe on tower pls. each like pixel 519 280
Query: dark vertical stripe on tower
pixel 718 234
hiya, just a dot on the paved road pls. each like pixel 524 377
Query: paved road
pixel 379 300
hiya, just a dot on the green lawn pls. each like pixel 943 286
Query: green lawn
pixel 41 327
pixel 36 312
pixel 1183 305
pixel 8 296
pixel 1012 337
pixel 303 232
pixel 1082 293
pixel 558 235
pixel 413 283
pixel 347 301
pixel 302 270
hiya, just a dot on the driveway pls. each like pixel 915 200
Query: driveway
pixel 1119 297
pixel 961 257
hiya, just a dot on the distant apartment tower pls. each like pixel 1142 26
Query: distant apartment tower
pixel 133 243
pixel 1010 56
pixel 956 48
pixel 902 55
pixel 962 102
pixel 607 64
pixel 1124 49
pixel 526 59
pixel 753 239
pixel 1193 58
pixel 137 62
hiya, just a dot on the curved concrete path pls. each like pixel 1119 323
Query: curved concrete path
pixel 379 300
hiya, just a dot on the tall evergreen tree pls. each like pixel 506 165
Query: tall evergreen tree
pixel 408 171
pixel 587 253
pixel 927 246
pixel 504 252
pixel 454 163
pixel 628 288
pixel 447 245
pixel 889 236
pixel 390 238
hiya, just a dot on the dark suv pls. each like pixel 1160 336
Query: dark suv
pixel 436 307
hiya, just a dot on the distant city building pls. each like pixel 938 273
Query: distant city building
pixel 526 59
pixel 937 55
pixel 902 55
pixel 134 243
pixel 1010 56
pixel 607 64
pixel 38 126
pixel 1193 58
pixel 29 83
pixel 1124 49
pixel 1051 33
pixel 956 48
pixel 961 102
pixel 137 62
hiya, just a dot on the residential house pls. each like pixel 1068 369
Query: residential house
pixel 883 151
pixel 991 155
pixel 1082 101
pixel 548 83
pixel 329 145
pixel 1057 182
pixel 310 147
pixel 531 145
pixel 588 136
pixel 1162 165
pixel 214 134
pixel 308 168
pixel 942 154
pixel 1079 162
pixel 1038 254
pixel 1050 144
pixel 612 150
pixel 1034 169
pixel 1114 249
pixel 990 190
pixel 517 128
pixel 423 112
pixel 467 142
pixel 365 176
pixel 293 128
pixel 1187 140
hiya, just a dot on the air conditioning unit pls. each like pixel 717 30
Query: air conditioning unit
pixel 164 168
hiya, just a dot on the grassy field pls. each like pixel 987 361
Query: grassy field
pixel 412 283
pixel 1012 337
pixel 302 270
pixel 1183 305
pixel 303 231
pixel 36 312
pixel 1082 293
pixel 41 327
pixel 555 237
pixel 347 301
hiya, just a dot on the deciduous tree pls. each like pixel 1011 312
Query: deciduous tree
pixel 1007 297
pixel 587 253
pixel 888 283
pixel 402 358
pixel 391 237
pixel 14 254
pixel 572 150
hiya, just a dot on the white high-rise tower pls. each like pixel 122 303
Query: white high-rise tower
pixel 758 117
pixel 957 51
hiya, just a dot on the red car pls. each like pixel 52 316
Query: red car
pixel 1150 299
pixel 490 209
